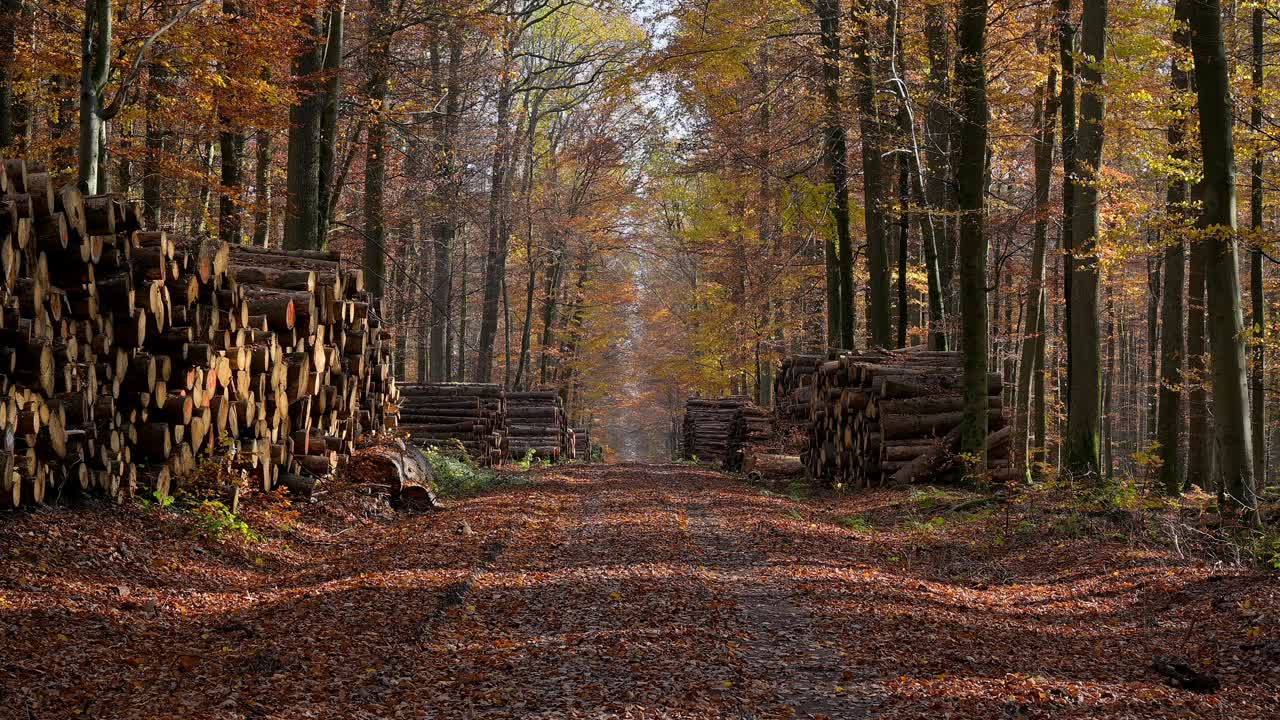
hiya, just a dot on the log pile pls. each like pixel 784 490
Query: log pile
pixel 750 431
pixel 126 354
pixel 705 429
pixel 537 423
pixel 793 386
pixel 582 444
pixel 465 416
pixel 892 417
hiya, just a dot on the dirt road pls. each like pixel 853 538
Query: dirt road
pixel 622 591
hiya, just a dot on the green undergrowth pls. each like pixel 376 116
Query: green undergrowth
pixel 208 518
pixel 457 477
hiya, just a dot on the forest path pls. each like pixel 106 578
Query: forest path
pixel 621 592
pixel 630 592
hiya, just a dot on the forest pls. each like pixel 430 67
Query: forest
pixel 876 322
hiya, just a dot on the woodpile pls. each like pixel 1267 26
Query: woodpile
pixel 793 387
pixel 893 417
pixel 126 355
pixel 750 431
pixel 582 445
pixel 537 423
pixel 705 429
pixel 465 416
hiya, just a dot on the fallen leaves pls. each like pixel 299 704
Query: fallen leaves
pixel 619 592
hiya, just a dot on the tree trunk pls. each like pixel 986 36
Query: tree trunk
pixel 327 186
pixel 937 155
pixel 95 67
pixel 10 19
pixel 445 227
pixel 302 215
pixel 835 157
pixel 156 142
pixel 1257 288
pixel 1234 442
pixel 970 171
pixel 1085 393
pixel 1067 102
pixel 1033 341
pixel 460 369
pixel 874 192
pixel 495 266
pixel 375 168
pixel 1199 447
pixel 1172 333
pixel 262 189
pixel 230 216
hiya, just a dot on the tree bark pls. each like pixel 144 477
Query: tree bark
pixel 1222 273
pixel 1032 341
pixel 327 188
pixel 1085 394
pixel 835 157
pixel 95 67
pixel 1067 103
pixel 10 19
pixel 1199 446
pixel 1172 333
pixel 445 228
pixel 1257 288
pixel 874 192
pixel 375 226
pixel 495 266
pixel 937 156
pixel 262 189
pixel 302 215
pixel 970 173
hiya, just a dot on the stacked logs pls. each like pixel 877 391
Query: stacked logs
pixel 893 417
pixel 127 355
pixel 706 425
pixel 470 416
pixel 582 444
pixel 537 423
pixel 750 431
pixel 793 385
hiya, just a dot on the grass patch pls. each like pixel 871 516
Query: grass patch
pixel 932 525
pixel 856 523
pixel 457 477
pixel 216 521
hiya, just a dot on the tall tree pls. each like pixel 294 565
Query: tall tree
pixel 1067 103
pixel 335 23
pixel 302 214
pixel 1084 411
pixel 835 156
pixel 444 130
pixel 1257 288
pixel 377 68
pixel 1222 270
pixel 10 20
pixel 1032 344
pixel 971 81
pixel 875 189
pixel 939 193
pixel 1171 336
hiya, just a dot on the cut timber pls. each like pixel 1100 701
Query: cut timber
pixel 759 466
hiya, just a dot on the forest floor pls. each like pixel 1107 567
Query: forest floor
pixel 623 591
